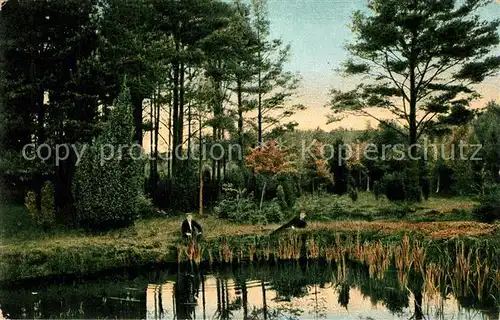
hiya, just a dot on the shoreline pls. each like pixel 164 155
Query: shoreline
pixel 138 246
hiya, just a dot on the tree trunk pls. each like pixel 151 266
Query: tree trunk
pixel 437 183
pixel 200 168
pixel 262 196
pixel 240 122
pixel 180 126
pixel 63 197
pixel 136 98
pixel 175 116
pixel 189 131
pixel 40 140
pixel 170 138
pixel 157 133
pixel 152 120
pixel 259 112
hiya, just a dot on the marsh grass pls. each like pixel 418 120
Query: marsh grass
pixel 466 265
pixel 157 240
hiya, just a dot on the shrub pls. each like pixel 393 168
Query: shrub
pixel 411 183
pixel 426 188
pixel 353 194
pixel 280 193
pixel 238 206
pixel 107 192
pixel 287 181
pixel 236 176
pixel 488 209
pixel 184 187
pixel 272 212
pixel 393 186
pixel 402 186
pixel 324 208
pixel 238 209
pixel 378 189
pixel 396 211
pixel 46 216
pixel 145 208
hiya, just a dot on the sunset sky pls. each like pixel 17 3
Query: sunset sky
pixel 317 31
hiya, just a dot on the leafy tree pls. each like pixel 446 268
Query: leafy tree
pixel 269 160
pixel 273 87
pixel 51 86
pixel 107 192
pixel 317 167
pixel 132 47
pixel 487 129
pixel 420 57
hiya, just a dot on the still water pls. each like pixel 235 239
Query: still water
pixel 312 290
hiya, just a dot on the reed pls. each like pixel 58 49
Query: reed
pixel 225 252
pixel 251 253
pixel 289 248
pixel 180 253
pixel 465 265
pixel 312 249
pixel 329 254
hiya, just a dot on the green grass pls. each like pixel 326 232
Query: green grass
pixel 26 251
pixel 331 207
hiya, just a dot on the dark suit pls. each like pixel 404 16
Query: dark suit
pixel 194 229
pixel 295 222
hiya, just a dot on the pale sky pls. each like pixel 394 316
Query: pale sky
pixel 317 31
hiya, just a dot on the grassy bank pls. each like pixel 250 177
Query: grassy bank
pixel 27 252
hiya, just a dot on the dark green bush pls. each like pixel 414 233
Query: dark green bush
pixel 236 176
pixel 402 186
pixel 426 188
pixel 488 209
pixel 107 192
pixel 324 208
pixel 353 194
pixel 184 187
pixel 287 181
pixel 145 207
pixel 396 211
pixel 272 212
pixel 46 217
pixel 280 193
pixel 393 186
pixel 237 206
pixel 378 189
pixel 411 182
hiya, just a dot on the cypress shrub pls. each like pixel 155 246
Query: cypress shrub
pixel 107 192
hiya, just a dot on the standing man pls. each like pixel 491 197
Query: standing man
pixel 190 228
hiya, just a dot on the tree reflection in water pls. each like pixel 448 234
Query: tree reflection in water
pixel 186 291
pixel 252 291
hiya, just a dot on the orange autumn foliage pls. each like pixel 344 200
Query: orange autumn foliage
pixel 317 163
pixel 270 159
pixel 357 156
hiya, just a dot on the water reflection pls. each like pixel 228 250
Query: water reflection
pixel 290 290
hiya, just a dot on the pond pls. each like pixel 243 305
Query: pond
pixel 312 290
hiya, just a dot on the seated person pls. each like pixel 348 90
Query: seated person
pixel 190 228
